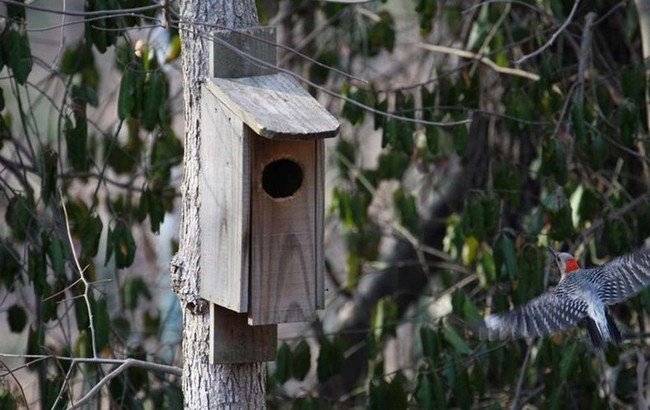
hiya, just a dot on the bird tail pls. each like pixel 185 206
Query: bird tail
pixel 596 335
pixel 613 329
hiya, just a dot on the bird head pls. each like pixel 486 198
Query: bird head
pixel 565 262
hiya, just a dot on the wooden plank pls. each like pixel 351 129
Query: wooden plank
pixel 283 250
pixel 320 224
pixel 231 52
pixel 234 341
pixel 275 106
pixel 224 189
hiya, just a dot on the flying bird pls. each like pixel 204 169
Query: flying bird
pixel 580 294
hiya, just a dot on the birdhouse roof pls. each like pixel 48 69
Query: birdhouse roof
pixel 275 106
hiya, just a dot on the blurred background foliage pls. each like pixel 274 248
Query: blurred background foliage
pixel 474 134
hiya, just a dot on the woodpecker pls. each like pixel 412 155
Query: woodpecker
pixel 580 294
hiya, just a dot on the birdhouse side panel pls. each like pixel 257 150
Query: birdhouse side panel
pixel 283 231
pixel 225 205
pixel 320 223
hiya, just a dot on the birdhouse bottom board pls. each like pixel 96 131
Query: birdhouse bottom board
pixel 286 230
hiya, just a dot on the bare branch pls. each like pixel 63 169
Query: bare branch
pixel 553 38
pixel 87 289
pixel 105 13
pixel 522 375
pixel 120 369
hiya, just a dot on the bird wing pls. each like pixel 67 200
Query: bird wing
pixel 624 276
pixel 545 314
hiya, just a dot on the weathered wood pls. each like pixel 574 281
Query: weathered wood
pixel 233 54
pixel 275 106
pixel 224 186
pixel 205 386
pixel 234 341
pixel 283 236
pixel 319 165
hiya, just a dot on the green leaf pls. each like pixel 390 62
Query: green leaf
pixel 507 183
pixel 566 363
pixel 50 160
pixel 301 360
pixel 578 123
pixel 10 264
pixel 121 326
pixel 426 10
pixel 406 209
pixel 154 98
pixel 7 401
pixel 102 322
pixel 156 210
pixel 55 251
pixel 381 34
pixel 52 389
pixel 459 139
pixel 19 55
pixel 76 138
pixel 85 94
pixel 456 341
pixel 617 236
pixel 77 58
pixel 126 100
pixel 554 160
pixel 351 111
pixel 392 164
pixel 330 359
pixel 16 11
pixel 90 233
pixel 37 270
pixel 430 343
pixel 17 318
pixel 384 320
pixel 505 257
pixel 167 151
pixel 133 288
pixel 123 245
pixel 429 392
pixel 283 364
pixel 20 216
pixel 381 107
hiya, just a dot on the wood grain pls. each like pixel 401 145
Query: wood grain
pixel 283 237
pixel 275 106
pixel 224 187
pixel 234 341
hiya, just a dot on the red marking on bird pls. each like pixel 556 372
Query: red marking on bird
pixel 571 265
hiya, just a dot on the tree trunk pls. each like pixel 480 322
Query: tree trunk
pixel 205 386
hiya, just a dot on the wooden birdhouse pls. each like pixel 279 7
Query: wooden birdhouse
pixel 261 184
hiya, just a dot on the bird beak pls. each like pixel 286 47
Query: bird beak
pixel 552 251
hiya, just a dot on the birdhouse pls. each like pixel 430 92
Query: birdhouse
pixel 261 184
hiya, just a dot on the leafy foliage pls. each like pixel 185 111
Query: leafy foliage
pixel 77 198
pixel 566 166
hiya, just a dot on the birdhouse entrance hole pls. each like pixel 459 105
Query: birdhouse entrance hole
pixel 281 178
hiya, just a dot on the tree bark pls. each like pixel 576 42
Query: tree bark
pixel 205 386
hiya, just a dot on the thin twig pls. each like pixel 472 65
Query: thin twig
pixel 641 367
pixel 522 374
pixel 107 13
pixel 553 38
pixel 91 323
pixel 585 56
pixel 348 100
pixel 120 369
pixel 481 59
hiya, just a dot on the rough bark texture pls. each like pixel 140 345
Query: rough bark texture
pixel 205 386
